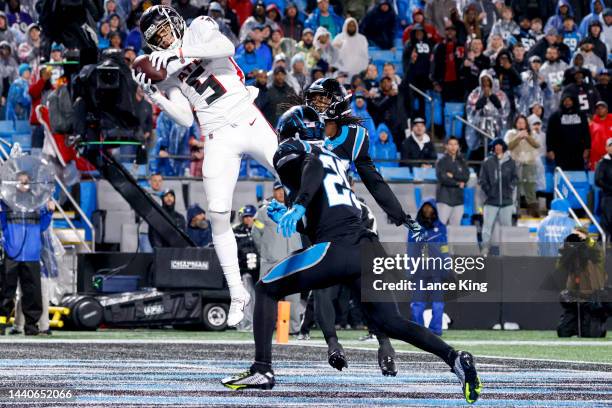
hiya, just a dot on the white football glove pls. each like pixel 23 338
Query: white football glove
pixel 160 59
pixel 145 83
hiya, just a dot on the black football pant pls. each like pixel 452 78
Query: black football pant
pixel 27 274
pixel 323 265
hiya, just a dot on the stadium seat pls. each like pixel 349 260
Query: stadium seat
pixel 452 126
pixel 462 239
pixel 424 174
pixel 24 140
pixel 580 182
pixel 256 170
pixel 396 173
pixel 517 241
pixel 468 205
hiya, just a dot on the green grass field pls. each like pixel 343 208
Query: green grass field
pixel 518 344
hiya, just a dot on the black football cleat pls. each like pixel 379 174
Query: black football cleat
pixel 465 370
pixel 336 357
pixel 250 379
pixel 386 362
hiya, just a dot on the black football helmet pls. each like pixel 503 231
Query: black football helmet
pixel 303 122
pixel 157 18
pixel 328 97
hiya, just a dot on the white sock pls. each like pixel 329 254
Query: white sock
pixel 227 251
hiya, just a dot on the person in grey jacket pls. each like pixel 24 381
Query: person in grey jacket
pixel 498 178
pixel 452 173
pixel 273 247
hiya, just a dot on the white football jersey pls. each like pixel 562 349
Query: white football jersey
pixel 215 88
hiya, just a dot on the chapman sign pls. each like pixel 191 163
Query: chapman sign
pixel 189 265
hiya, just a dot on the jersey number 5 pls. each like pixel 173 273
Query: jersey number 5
pixel 211 87
pixel 335 183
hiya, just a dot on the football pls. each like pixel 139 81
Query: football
pixel 143 64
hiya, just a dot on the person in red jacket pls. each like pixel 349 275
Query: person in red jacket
pixel 419 18
pixel 601 130
pixel 37 91
pixel 242 8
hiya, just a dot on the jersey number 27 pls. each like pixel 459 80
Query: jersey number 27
pixel 335 183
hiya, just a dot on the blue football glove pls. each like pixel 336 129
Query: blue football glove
pixel 414 228
pixel 288 222
pixel 276 210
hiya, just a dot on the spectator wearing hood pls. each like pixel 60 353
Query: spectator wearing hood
pixel 172 140
pixel 198 227
pixel 359 109
pixel 281 61
pixel 563 9
pixel 418 18
pixel 507 75
pixel 591 61
pixel 352 48
pixel 258 19
pixel 606 27
pixel 217 13
pixel 188 11
pixel 416 61
pixel 323 46
pixel 383 148
pixel 292 23
pixel 582 85
pixel 30 51
pixel 603 86
pixel 417 145
pixel 601 130
pixel 434 242
pixel 525 35
pixel 324 16
pixel 553 229
pixel 506 27
pixel 523 148
pixel 18 101
pixel 552 71
pixel 452 173
pixel 299 72
pixel 378 25
pixel 111 7
pixel 594 35
pixel 487 107
pixel 498 178
pixel 18 18
pixel 567 135
pixel 388 108
pixel 168 198
pixel 437 12
pixel 603 180
pixel 533 88
pixel 597 9
pixel 8 69
pixel 446 65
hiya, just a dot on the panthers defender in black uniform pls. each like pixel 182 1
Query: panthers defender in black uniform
pixel 350 142
pixel 323 207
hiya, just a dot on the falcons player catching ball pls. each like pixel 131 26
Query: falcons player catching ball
pixel 203 77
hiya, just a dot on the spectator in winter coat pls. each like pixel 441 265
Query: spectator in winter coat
pixel 248 60
pixel 433 241
pixel 562 10
pixel 552 38
pixel 279 93
pixel 603 86
pixel 498 178
pixel 172 140
pixel 6 33
pixel 18 101
pixel 417 145
pixel 323 47
pixel 594 35
pixel 378 25
pixel 418 18
pixel 567 136
pixel 552 71
pixel 168 201
pixel 243 8
pixel 446 64
pixel 18 18
pixel 359 109
pixel 292 23
pixel 258 19
pixel 553 229
pixel 474 63
pixel 324 16
pixel 352 48
pixel 452 173
pixel 601 130
pixel 582 85
pixel 603 180
pixel 416 61
pixel 387 108
pixel 597 8
pixel 606 35
pixel 569 33
pixel 488 108
pixel 533 88
pixel 591 61
pixel 525 36
pixel 198 227
pixel 508 77
pixel 383 148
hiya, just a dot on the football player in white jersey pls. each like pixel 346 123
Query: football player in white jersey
pixel 202 77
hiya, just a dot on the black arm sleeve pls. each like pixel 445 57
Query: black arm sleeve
pixel 312 176
pixel 377 186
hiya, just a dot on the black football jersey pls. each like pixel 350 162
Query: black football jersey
pixel 351 146
pixel 333 212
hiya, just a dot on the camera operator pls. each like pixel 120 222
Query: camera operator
pixel 22 247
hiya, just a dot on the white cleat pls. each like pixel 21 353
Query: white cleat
pixel 236 310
